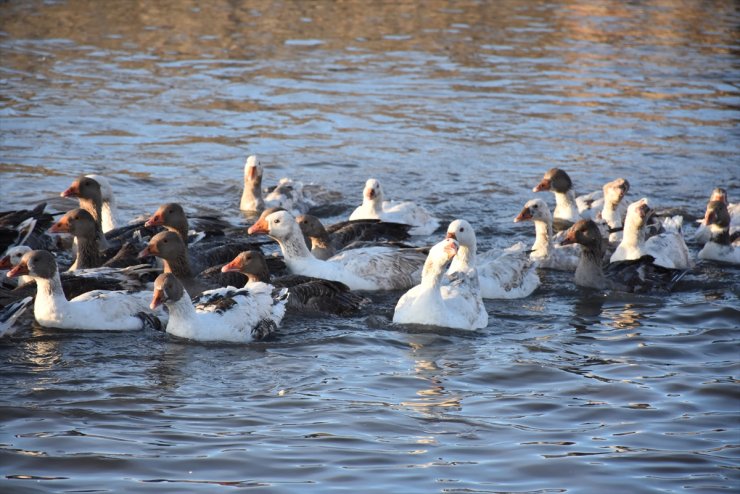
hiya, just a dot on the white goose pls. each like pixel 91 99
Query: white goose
pixel 237 315
pixel 719 247
pixel 97 310
pixel 11 259
pixel 544 252
pixel 435 304
pixel 287 195
pixel 373 207
pixel 463 278
pixel 503 274
pixel 615 209
pixel 669 248
pixel 371 268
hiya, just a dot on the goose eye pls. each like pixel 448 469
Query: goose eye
pixel 165 241
pixel 535 206
pixel 170 211
pixel 462 229
pixel 276 221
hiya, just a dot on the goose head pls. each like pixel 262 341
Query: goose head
pixel 167 288
pixel 615 190
pixel 442 252
pixel 556 180
pixel 76 222
pixel 167 245
pixel 170 214
pixel 719 194
pixel 106 191
pixel 638 213
pixel 84 188
pixel 717 214
pixel 247 262
pixel 372 191
pixel 534 209
pixel 278 225
pixel 253 170
pixel 462 232
pixel 584 232
pixel 310 225
pixel 13 256
pixel 37 264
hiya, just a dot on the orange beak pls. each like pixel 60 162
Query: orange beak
pixel 525 214
pixel 20 269
pixel 233 266
pixel 146 252
pixel 5 263
pixel 72 191
pixel 61 226
pixel 155 220
pixel 260 226
pixel 543 185
pixel 570 238
pixel 157 299
pixel 451 235
pixel 370 194
pixel 252 172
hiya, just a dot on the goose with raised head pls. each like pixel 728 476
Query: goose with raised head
pixel 375 208
pixel 434 303
pixel 370 268
pixel 719 247
pixel 544 251
pixel 502 273
pixel 238 315
pixel 637 275
pixel 668 248
pixel 568 207
pixel 97 310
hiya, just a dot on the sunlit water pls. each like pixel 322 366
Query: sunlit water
pixel 458 105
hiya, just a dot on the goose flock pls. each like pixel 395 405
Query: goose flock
pixel 202 278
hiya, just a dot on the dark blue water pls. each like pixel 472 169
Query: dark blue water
pixel 458 105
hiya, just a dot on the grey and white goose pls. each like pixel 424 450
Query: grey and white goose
pixel 568 207
pixel 327 241
pixel 545 251
pixel 307 295
pixel 96 310
pixel 635 276
pixel 227 314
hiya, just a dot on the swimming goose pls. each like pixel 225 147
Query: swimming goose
pixel 462 275
pixel 703 233
pixel 306 295
pixel 26 227
pixel 668 249
pixel 615 210
pixel 370 268
pixel 227 314
pixel 433 303
pixel 568 207
pixel 504 274
pixel 638 275
pixel 97 310
pixel 374 207
pixel 326 242
pixel 109 209
pixel 544 252
pixel 288 194
pixel 719 246
pixel 88 193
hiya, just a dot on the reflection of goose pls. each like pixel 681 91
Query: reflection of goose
pixel 369 268
pixel 435 304
pixel 375 208
pixel 226 314
pixel 639 275
pixel 97 310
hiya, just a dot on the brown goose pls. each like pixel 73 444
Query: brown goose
pixel 307 295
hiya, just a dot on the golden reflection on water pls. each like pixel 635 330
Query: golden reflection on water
pixel 433 397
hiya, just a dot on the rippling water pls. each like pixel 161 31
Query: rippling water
pixel 459 105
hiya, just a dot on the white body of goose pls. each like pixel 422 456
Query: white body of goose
pixel 372 268
pixel 502 274
pixel 669 248
pixel 547 254
pixel 615 209
pixel 373 207
pixel 238 315
pixel 97 310
pixel 436 304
